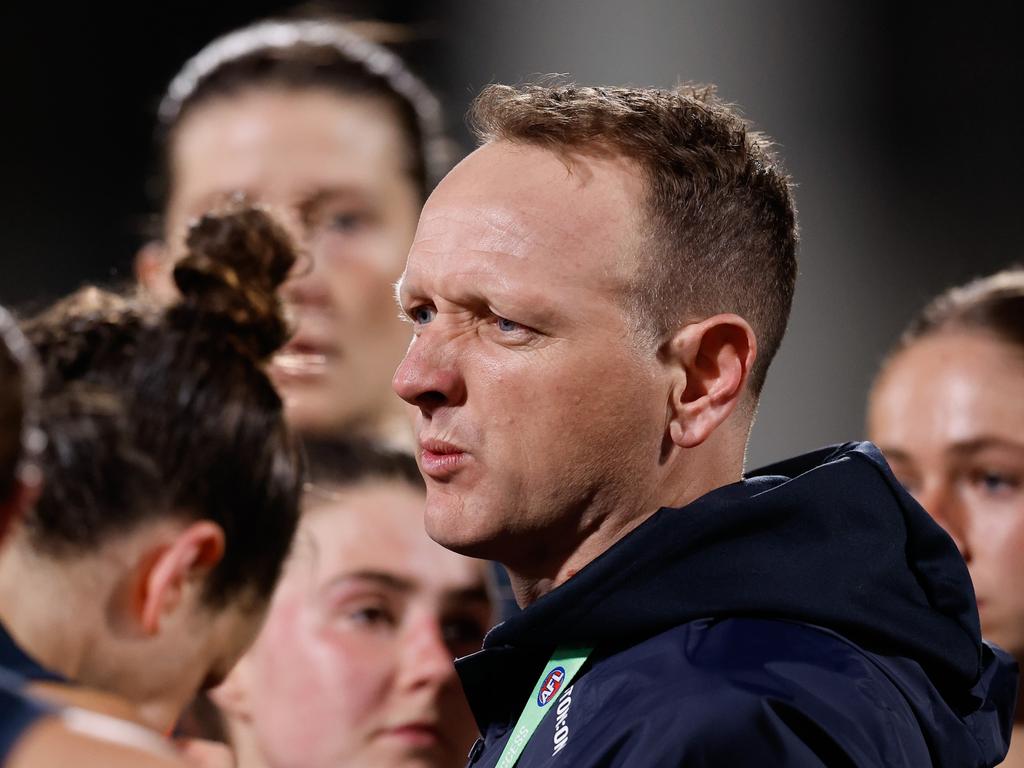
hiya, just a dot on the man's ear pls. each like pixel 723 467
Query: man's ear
pixel 712 361
pixel 153 267
pixel 169 571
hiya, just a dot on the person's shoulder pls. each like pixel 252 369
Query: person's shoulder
pixel 18 713
pixel 49 743
pixel 730 650
pixel 736 690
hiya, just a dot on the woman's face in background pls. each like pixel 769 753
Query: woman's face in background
pixel 948 413
pixel 336 169
pixel 354 664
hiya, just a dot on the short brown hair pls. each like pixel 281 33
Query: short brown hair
pixel 724 221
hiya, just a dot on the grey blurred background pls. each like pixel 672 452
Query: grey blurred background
pixel 900 125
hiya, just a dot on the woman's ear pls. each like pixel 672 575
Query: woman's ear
pixel 168 571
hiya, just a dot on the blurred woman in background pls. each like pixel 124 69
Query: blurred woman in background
pixel 32 733
pixel 172 483
pixel 353 668
pixel 947 410
pixel 337 135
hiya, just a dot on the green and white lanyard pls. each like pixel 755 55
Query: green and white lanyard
pixel 557 674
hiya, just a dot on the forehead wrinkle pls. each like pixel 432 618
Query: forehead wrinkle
pixel 485 230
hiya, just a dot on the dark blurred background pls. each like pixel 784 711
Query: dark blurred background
pixel 899 123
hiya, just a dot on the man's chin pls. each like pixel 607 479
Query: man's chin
pixel 453 528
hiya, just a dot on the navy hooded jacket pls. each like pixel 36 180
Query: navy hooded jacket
pixel 810 615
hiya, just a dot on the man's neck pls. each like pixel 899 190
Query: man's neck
pixel 532 581
pixel 528 588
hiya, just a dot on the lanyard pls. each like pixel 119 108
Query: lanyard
pixel 558 673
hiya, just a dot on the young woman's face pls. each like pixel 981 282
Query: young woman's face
pixel 948 413
pixel 354 664
pixel 335 168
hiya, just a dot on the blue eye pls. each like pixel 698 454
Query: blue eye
pixel 507 326
pixel 422 315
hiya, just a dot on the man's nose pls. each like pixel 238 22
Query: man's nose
pixel 429 376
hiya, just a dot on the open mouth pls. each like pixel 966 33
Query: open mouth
pixel 302 358
pixel 299 363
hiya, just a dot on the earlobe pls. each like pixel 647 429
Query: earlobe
pixel 712 359
pixel 170 571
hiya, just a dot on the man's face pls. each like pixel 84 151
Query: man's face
pixel 537 407
pixel 354 664
pixel 334 168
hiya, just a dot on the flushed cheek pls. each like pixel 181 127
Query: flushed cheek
pixel 1009 575
pixel 326 708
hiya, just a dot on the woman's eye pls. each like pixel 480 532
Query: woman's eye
pixel 346 222
pixel 422 315
pixel 995 483
pixel 371 616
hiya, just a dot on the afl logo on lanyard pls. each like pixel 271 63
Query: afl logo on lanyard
pixel 551 685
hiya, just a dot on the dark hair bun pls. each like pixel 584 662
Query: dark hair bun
pixel 235 263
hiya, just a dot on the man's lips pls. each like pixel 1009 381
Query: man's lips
pixel 440 459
